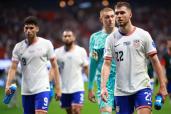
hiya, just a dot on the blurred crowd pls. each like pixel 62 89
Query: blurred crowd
pixel 83 21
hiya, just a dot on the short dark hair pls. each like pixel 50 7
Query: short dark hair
pixel 120 4
pixel 31 20
pixel 69 29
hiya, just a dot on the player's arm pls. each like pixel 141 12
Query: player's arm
pixel 54 68
pixel 152 53
pixel 160 74
pixel 85 62
pixel 51 74
pixel 11 75
pixel 106 66
pixel 54 71
pixel 91 78
pixel 104 77
pixel 93 64
pixel 86 70
pixel 92 70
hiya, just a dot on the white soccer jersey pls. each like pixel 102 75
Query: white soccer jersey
pixel 33 59
pixel 71 64
pixel 130 53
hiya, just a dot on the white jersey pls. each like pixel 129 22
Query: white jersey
pixel 33 59
pixel 130 52
pixel 71 64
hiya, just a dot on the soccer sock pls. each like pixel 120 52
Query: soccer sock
pixel 105 113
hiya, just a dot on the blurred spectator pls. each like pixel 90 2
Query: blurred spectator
pixel 153 18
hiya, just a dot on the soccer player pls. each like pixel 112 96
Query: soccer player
pixel 96 48
pixel 72 59
pixel 33 54
pixel 130 46
pixel 166 63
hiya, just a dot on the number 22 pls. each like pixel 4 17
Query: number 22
pixel 119 56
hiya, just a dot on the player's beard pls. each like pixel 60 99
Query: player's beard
pixel 69 44
pixel 122 24
pixel 30 36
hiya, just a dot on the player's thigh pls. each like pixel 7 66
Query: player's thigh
pixel 28 102
pixel 110 88
pixel 42 102
pixel 77 100
pixel 143 100
pixel 124 104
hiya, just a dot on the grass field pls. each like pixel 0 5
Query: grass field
pixel 89 108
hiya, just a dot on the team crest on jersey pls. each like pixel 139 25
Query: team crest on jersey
pixel 94 55
pixel 136 43
pixel 117 108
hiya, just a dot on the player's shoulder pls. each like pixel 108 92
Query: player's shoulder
pixel 95 34
pixel 44 40
pixel 79 47
pixel 59 49
pixel 20 44
pixel 142 31
pixel 114 34
pixel 145 35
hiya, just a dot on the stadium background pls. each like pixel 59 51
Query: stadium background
pixel 82 16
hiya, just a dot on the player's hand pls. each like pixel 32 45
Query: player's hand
pixel 7 90
pixel 58 94
pixel 91 96
pixel 163 92
pixel 104 94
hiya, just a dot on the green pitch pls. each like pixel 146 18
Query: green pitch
pixel 89 108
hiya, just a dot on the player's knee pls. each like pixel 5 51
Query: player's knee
pixel 76 109
pixel 146 110
pixel 41 112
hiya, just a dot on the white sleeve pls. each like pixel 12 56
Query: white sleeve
pixel 85 57
pixel 149 45
pixel 50 51
pixel 108 48
pixel 15 53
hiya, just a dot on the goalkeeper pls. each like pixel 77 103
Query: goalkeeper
pixel 96 48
